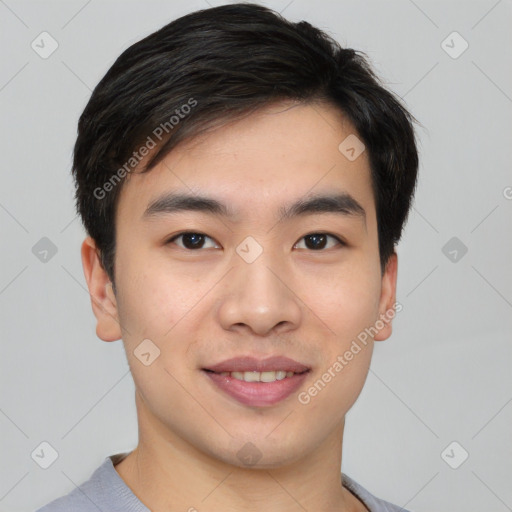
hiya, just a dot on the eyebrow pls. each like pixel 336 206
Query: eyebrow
pixel 339 203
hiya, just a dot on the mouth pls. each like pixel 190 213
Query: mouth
pixel 257 383
pixel 253 376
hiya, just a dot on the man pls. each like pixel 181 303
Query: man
pixel 243 182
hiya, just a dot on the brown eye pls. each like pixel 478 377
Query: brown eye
pixel 190 240
pixel 319 241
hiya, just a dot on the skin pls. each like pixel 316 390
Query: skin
pixel 202 306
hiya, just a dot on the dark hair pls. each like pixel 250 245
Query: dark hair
pixel 221 64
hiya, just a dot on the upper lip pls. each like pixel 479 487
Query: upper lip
pixel 252 364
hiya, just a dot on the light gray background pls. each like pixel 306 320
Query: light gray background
pixel 445 375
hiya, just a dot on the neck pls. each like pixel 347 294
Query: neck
pixel 165 472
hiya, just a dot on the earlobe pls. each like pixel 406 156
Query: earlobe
pixel 103 300
pixel 387 299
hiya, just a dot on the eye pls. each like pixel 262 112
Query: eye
pixel 191 240
pixel 318 241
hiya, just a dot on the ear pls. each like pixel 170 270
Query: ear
pixel 103 300
pixel 387 298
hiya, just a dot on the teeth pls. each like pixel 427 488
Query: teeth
pixel 259 376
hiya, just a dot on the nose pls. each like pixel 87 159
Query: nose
pixel 259 297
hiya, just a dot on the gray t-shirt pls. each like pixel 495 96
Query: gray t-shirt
pixel 105 491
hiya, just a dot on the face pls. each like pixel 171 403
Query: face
pixel 256 278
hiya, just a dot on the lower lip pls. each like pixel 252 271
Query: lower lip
pixel 257 394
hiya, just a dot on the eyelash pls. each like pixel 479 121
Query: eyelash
pixel 174 237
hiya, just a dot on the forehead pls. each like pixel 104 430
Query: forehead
pixel 258 163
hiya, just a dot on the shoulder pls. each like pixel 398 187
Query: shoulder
pixel 75 500
pixel 96 494
pixel 373 503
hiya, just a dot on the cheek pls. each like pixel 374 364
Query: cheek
pixel 153 306
pixel 348 305
pixel 345 361
pixel 332 394
pixel 153 299
pixel 158 305
pixel 347 302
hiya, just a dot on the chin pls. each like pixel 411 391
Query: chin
pixel 261 452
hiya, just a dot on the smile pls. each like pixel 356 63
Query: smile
pixel 254 376
pixel 257 389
